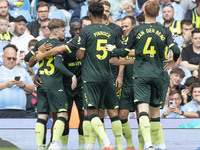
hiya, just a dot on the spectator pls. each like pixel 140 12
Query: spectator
pixel 194 15
pixel 127 8
pixel 119 22
pixel 60 5
pixel 31 100
pixel 72 4
pixel 4 7
pixel 31 46
pixel 85 21
pixel 14 82
pixel 186 92
pixel 194 105
pixel 42 12
pixel 191 54
pixel 81 11
pixel 45 30
pixel 174 109
pixel 186 37
pixel 196 73
pixel 187 5
pixel 176 76
pixel 5 35
pixel 169 21
pixel 177 10
pixel 140 18
pixel 21 38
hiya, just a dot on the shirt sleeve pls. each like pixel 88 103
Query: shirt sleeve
pixel 60 66
pixel 82 38
pixel 170 42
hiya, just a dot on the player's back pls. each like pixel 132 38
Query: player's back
pixel 150 42
pixel 50 76
pixel 95 65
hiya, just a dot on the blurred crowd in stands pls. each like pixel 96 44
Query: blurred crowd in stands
pixel 23 23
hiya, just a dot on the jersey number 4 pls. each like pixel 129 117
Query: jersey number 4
pixel 101 48
pixel 49 65
pixel 150 51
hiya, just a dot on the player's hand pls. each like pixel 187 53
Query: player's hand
pixel 170 63
pixel 44 47
pixel 10 83
pixel 39 56
pixel 118 83
pixel 74 82
pixel 110 47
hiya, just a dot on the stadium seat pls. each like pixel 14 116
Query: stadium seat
pixel 20 5
pixel 57 14
pixel 24 13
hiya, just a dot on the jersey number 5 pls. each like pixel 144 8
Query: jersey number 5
pixel 48 64
pixel 101 48
pixel 150 51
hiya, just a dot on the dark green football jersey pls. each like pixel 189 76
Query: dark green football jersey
pixel 149 41
pixel 72 63
pixel 128 70
pixel 95 64
pixel 50 76
pixel 118 42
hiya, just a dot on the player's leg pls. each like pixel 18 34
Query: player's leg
pixel 43 111
pixel 80 129
pixel 54 117
pixel 86 128
pixel 40 130
pixel 58 103
pixel 156 100
pixel 65 135
pixel 142 91
pixel 92 97
pixel 79 104
pixel 126 129
pixel 125 106
pixel 101 116
pixel 112 105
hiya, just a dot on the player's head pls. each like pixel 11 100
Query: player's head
pixel 57 28
pixel 96 10
pixel 151 9
pixel 106 6
pixel 75 28
pixel 128 23
pixel 105 19
pixel 85 21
